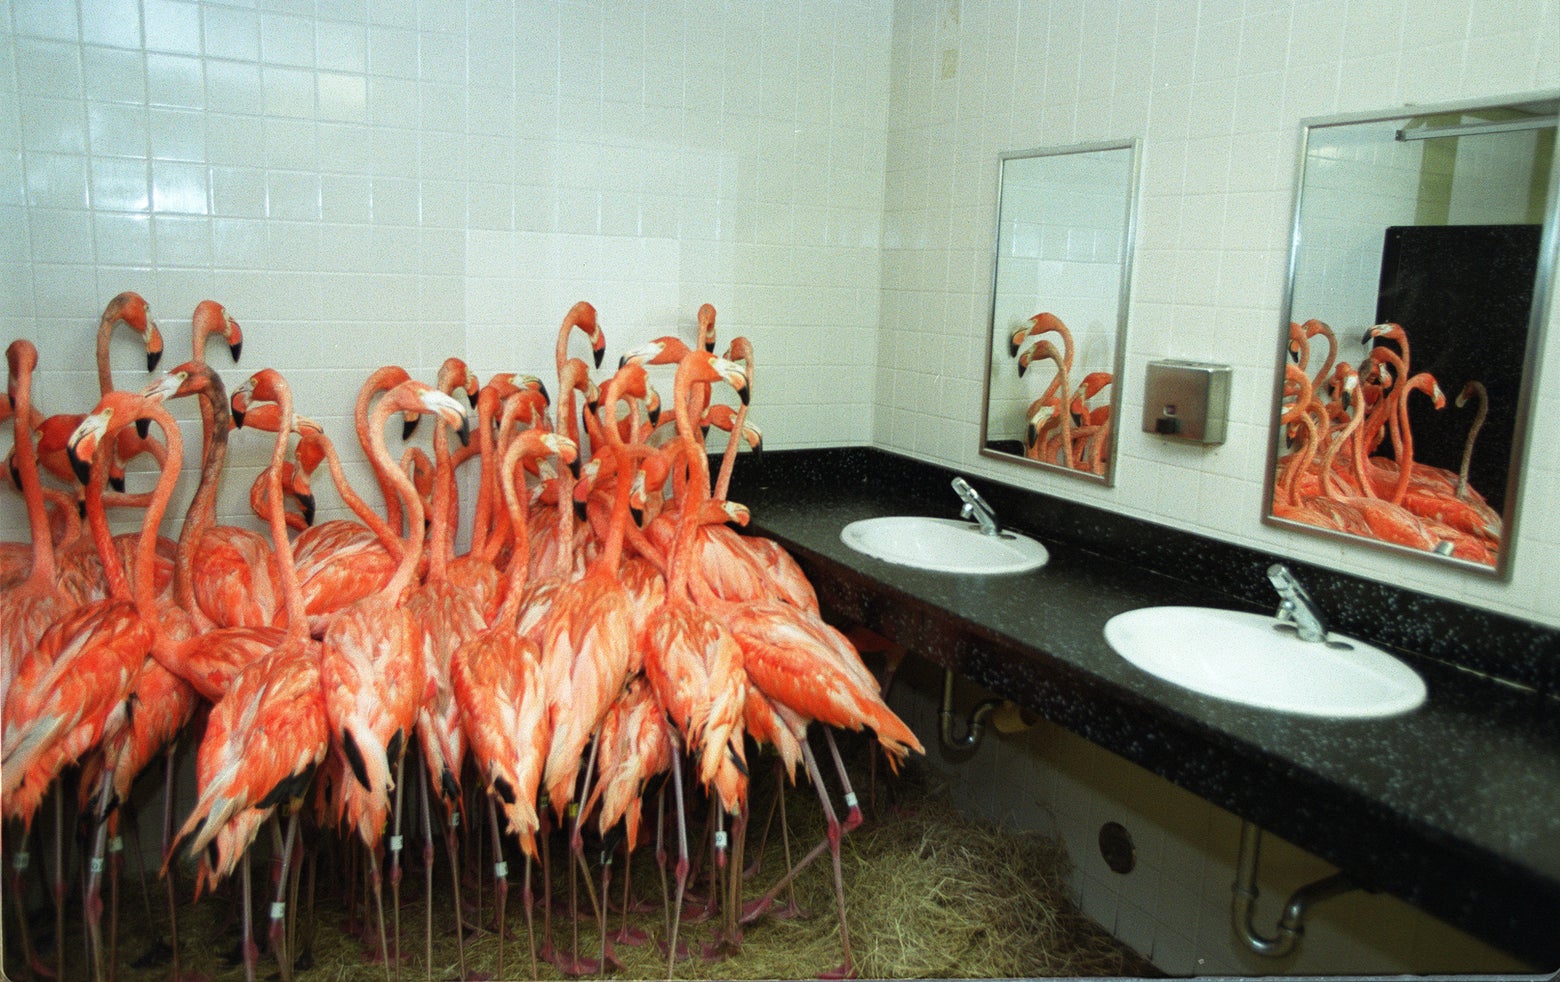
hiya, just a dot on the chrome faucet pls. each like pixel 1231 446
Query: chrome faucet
pixel 975 507
pixel 1295 605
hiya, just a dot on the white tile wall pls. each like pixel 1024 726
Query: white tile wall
pixel 1217 91
pixel 396 182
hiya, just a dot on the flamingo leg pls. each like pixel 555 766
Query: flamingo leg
pixel 395 857
pixel 59 882
pixel 279 941
pixel 529 901
pixel 167 843
pixel 377 883
pixel 19 864
pixel 116 862
pixel 93 902
pixel 500 881
pixel 451 847
pixel 251 953
pixel 682 855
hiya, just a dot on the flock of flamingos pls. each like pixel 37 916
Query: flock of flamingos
pixel 606 626
pixel 1078 438
pixel 1337 416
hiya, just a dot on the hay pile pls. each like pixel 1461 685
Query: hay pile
pixel 929 894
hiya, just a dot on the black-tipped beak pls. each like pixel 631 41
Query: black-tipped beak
pixel 117 483
pixel 579 511
pixel 705 431
pixel 471 397
pixel 82 468
pixel 542 388
pixel 238 418
pixel 638 515
pixel 1030 434
pixel 152 358
pixel 306 504
pixel 1021 369
pixel 574 468
pixel 16 474
pixel 744 395
pixel 622 360
pixel 81 507
pixel 598 355
pixel 654 412
pixel 758 446
pixel 408 427
pixel 710 346
pixel 463 431
pixel 1012 347
pixel 235 349
pixel 143 428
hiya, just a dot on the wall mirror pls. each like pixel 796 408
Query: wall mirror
pixel 1423 249
pixel 1065 219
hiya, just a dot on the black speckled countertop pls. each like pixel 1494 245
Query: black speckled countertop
pixel 1454 807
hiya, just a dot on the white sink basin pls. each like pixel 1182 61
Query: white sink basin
pixel 943 545
pixel 1245 658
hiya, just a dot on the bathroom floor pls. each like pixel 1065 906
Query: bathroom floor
pixel 929 893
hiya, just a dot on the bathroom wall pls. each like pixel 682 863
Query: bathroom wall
pixel 365 182
pixel 1216 89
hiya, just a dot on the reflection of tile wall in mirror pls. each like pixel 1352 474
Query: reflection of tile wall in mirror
pixel 1442 235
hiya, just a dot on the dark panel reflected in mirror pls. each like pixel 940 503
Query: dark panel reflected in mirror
pixel 1417 291
pixel 1059 302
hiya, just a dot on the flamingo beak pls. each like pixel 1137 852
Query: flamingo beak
pixel 734 376
pixel 306 505
pixel 81 507
pixel 236 349
pixel 154 345
pixel 82 469
pixel 409 425
pixel 463 431
pixel 16 472
pixel 579 512
pixel 736 513
pixel 117 482
pixel 143 428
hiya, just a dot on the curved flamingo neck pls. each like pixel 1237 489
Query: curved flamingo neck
pixel 114 575
pixel 388 535
pixel 512 479
pixel 380 381
pixel 292 589
pixel 105 337
pixel 440 534
pixel 146 548
pixel 216 424
pixel 43 570
pixel 728 460
pixel 412 546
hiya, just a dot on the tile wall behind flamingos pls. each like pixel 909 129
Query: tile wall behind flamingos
pixel 397 182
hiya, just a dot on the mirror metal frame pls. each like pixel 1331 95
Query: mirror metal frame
pixel 1128 242
pixel 1549 242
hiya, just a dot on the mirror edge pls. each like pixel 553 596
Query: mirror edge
pixel 1128 249
pixel 1533 351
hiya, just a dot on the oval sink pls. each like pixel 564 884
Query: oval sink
pixel 1249 659
pixel 943 545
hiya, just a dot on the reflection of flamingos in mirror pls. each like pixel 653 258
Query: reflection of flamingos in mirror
pixel 1062 427
pixel 1335 421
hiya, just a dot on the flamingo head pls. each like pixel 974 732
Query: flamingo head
pixel 666 350
pixel 454 374
pixel 1040 349
pixel 706 367
pixel 1474 389
pixel 117 410
pixel 21 357
pixel 583 316
pixel 211 318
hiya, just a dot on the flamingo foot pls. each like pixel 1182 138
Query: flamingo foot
pixel 683 954
pixel 572 965
pixel 845 971
pixel 631 936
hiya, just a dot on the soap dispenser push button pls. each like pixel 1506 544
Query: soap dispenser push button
pixel 1187 400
